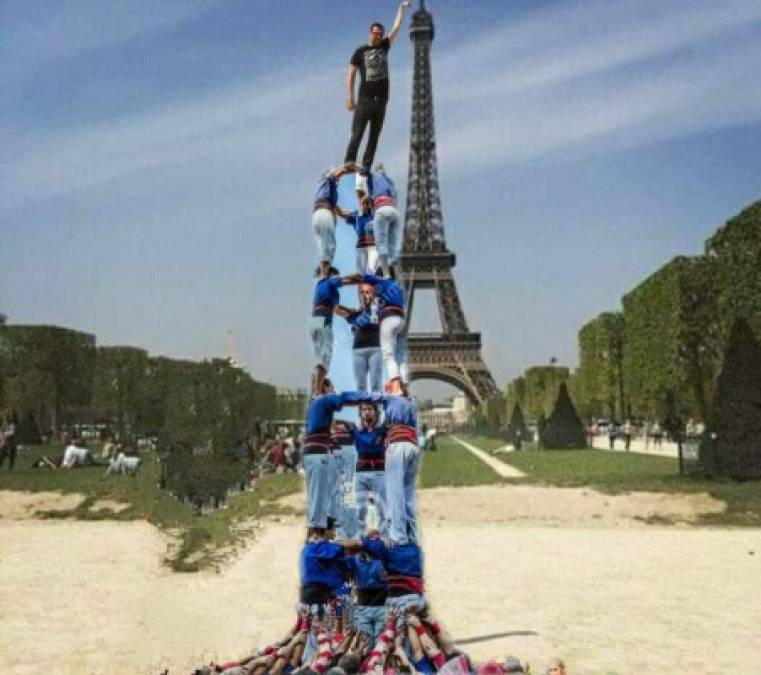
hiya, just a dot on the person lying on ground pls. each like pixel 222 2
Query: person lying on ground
pixel 418 633
pixel 377 661
pixel 46 462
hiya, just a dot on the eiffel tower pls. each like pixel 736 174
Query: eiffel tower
pixel 454 355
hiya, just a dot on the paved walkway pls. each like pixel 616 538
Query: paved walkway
pixel 504 470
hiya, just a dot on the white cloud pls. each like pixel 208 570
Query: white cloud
pixel 37 34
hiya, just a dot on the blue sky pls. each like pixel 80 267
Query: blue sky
pixel 159 159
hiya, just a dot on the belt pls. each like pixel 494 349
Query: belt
pixel 317 444
pixel 322 204
pixel 383 200
pixel 402 584
pixel 377 464
pixel 325 311
pixel 367 240
pixel 401 433
pixel 391 310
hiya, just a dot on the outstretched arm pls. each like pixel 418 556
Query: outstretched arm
pixel 343 312
pixel 398 21
pixel 357 397
pixel 351 279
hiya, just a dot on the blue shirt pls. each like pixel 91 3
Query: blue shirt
pixel 326 297
pixel 368 572
pixel 389 292
pixel 322 562
pixel 380 185
pixel 319 415
pixel 370 444
pixel 327 191
pixel 404 559
pixel 362 223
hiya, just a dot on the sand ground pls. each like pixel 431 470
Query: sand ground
pixel 577 570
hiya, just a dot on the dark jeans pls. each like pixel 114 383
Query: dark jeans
pixel 372 111
pixel 9 450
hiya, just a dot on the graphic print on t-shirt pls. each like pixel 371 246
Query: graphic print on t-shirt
pixel 376 64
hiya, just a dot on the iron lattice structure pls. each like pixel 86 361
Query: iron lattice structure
pixel 454 355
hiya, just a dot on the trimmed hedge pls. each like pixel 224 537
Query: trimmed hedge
pixel 118 391
pixel 736 250
pixel 564 430
pixel 515 394
pixel 542 386
pixel 48 371
pixel 672 338
pixel 737 408
pixel 599 379
pixel 518 424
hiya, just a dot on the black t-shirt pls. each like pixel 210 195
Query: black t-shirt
pixel 364 335
pixel 373 69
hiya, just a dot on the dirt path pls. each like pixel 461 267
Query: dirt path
pixel 93 597
pixel 502 469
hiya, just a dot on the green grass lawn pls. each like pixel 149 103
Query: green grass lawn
pixel 452 464
pixel 616 472
pixel 201 538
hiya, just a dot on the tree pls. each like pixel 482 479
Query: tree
pixel 736 417
pixel 564 429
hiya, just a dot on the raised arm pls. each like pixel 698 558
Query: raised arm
pixel 398 21
pixel 351 75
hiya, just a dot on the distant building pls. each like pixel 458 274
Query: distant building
pixel 451 415
pixel 291 403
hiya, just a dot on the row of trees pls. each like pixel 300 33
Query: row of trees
pixel 54 377
pixel 668 342
pixel 686 345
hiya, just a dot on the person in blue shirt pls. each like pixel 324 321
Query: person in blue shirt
pixel 343 468
pixel 366 352
pixel 371 584
pixel 324 214
pixel 401 463
pixel 362 222
pixel 316 457
pixel 387 223
pixel 393 333
pixel 325 299
pixel 370 480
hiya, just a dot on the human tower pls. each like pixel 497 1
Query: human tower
pixel 362 605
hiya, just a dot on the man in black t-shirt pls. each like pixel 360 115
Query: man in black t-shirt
pixel 371 60
pixel 366 353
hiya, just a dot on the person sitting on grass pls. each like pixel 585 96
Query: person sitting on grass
pixel 124 465
pixel 76 454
